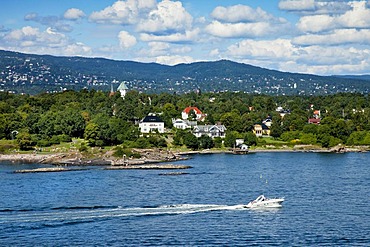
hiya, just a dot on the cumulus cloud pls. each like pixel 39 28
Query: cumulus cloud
pixel 297 5
pixel 173 60
pixel 187 37
pixel 73 14
pixel 126 40
pixel 233 30
pixel 308 7
pixel 243 21
pixel 166 53
pixel 337 37
pixel 30 36
pixel 77 49
pixel 284 55
pixel 34 40
pixel 50 21
pixel 123 12
pixel 316 23
pixel 169 17
pixel 357 17
pixel 240 13
pixel 264 49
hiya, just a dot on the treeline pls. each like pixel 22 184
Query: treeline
pixel 104 120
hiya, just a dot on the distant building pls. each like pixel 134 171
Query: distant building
pixel 314 121
pixel 267 122
pixel 151 124
pixel 282 112
pixel 122 88
pixel 213 131
pixel 199 116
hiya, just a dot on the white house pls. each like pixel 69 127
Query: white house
pixel 151 124
pixel 213 131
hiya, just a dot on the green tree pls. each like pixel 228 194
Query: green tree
pixel 91 134
pixel 308 138
pixel 250 139
pixel 205 142
pixel 190 141
pixel 230 139
pixel 25 141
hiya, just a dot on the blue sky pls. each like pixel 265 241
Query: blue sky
pixel 308 36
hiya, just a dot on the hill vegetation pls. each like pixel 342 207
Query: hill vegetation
pixel 33 74
pixel 42 120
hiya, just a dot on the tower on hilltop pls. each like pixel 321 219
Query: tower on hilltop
pixel 122 88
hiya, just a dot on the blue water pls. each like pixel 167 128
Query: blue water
pixel 327 203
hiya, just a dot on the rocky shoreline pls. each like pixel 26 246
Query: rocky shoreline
pixel 150 158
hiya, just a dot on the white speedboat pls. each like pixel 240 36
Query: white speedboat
pixel 263 202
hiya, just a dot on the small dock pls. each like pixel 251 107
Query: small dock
pixel 239 151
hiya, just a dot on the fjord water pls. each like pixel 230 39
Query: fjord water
pixel 327 203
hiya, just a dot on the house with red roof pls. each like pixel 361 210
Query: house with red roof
pixel 188 111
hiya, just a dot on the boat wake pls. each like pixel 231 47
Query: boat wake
pixel 71 215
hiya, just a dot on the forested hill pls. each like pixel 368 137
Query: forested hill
pixel 27 73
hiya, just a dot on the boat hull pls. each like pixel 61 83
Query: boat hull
pixel 269 203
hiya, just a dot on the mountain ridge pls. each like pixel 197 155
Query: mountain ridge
pixel 30 73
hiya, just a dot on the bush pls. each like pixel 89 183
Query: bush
pixel 120 152
pixel 218 142
pixel 250 139
pixel 142 142
pixel 82 148
pixel 6 147
pixel 43 143
pixel 64 138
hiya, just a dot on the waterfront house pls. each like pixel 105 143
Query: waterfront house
pixel 261 130
pixel 216 130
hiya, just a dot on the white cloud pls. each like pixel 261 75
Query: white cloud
pixel 169 17
pixel 240 13
pixel 188 36
pixel 54 22
pixel 337 37
pixel 126 40
pixel 232 30
pixel 33 40
pixel 297 5
pixel 173 60
pixel 30 36
pixel 282 54
pixel 74 14
pixel 77 49
pixel 316 7
pixel 358 17
pixel 243 21
pixel 123 12
pixel 316 23
pixel 264 49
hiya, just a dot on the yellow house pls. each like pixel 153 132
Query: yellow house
pixel 261 130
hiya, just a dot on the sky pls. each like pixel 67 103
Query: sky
pixel 321 37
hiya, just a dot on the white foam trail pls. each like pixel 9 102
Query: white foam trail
pixel 83 215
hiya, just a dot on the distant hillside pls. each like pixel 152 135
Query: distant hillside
pixel 356 77
pixel 27 73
